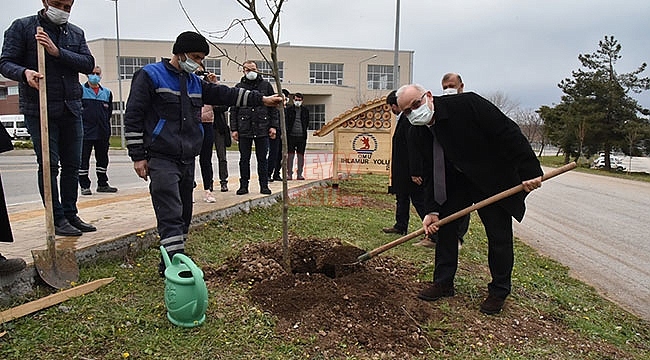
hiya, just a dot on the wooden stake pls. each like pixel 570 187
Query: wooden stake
pixel 30 307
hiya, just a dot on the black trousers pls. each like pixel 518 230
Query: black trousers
pixel 403 208
pixel 171 185
pixel 461 193
pixel 101 162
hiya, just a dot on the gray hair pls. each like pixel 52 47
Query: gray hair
pixel 403 88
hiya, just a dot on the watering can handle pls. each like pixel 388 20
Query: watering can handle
pixel 197 275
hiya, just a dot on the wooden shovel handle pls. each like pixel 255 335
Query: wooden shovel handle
pixel 45 149
pixel 492 199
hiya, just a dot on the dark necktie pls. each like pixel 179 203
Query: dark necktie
pixel 439 185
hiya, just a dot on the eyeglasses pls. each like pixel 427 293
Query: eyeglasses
pixel 414 105
pixel 95 73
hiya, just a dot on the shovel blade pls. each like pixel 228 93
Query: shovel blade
pixel 58 269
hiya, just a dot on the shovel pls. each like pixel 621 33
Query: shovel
pixel 492 199
pixel 58 268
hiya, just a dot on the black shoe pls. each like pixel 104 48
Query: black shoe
pixel 277 178
pixel 392 230
pixel 64 228
pixel 242 191
pixel 10 266
pixel 270 179
pixel 300 177
pixel 86 191
pixel 436 291
pixel 265 191
pixel 81 225
pixel 492 304
pixel 106 189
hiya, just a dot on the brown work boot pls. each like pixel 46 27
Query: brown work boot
pixel 492 304
pixel 426 242
pixel 436 291
pixel 392 230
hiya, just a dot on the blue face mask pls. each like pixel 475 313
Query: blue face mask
pixel 94 79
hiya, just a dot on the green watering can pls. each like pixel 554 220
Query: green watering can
pixel 186 295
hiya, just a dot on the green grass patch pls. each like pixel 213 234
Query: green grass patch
pixel 127 318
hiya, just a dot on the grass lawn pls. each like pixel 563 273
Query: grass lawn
pixel 126 319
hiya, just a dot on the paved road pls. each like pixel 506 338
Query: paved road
pixel 598 227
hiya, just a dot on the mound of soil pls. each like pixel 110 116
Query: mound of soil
pixel 370 307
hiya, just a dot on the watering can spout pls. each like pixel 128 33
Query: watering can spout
pixel 165 257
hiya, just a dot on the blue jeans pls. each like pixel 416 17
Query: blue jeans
pixel 65 141
pixel 261 149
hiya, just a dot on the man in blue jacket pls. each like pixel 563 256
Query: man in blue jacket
pixel 164 134
pixel 97 110
pixel 66 55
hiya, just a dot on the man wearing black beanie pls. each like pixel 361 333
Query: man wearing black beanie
pixel 163 133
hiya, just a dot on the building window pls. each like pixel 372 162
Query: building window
pixel 380 77
pixel 265 67
pixel 12 90
pixel 322 73
pixel 213 66
pixel 129 65
pixel 316 116
pixel 3 93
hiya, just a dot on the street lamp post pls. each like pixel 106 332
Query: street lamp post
pixel 396 51
pixel 361 62
pixel 119 76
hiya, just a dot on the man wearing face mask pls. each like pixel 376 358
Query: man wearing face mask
pixel 164 133
pixel 297 123
pixel 452 84
pixel 97 109
pixel 66 56
pixel 254 124
pixel 477 152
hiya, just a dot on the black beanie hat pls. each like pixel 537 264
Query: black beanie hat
pixel 190 41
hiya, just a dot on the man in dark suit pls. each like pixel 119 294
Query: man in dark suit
pixel 481 152
pixel 405 190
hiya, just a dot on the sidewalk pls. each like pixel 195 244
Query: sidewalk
pixel 125 224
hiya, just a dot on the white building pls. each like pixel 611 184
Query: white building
pixel 332 80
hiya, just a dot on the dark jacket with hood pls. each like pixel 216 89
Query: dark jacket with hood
pixel 254 121
pixel 19 52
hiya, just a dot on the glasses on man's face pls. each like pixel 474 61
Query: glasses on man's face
pixel 414 105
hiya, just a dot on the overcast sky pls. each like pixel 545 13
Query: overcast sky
pixel 520 47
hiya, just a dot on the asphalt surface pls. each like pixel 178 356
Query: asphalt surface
pixel 597 226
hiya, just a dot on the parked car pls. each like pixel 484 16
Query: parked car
pixel 15 126
pixel 614 163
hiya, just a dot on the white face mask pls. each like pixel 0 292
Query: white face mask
pixel 449 91
pixel 189 66
pixel 298 103
pixel 56 16
pixel 422 115
pixel 251 75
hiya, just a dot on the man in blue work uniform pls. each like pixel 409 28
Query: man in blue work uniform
pixel 97 110
pixel 164 134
